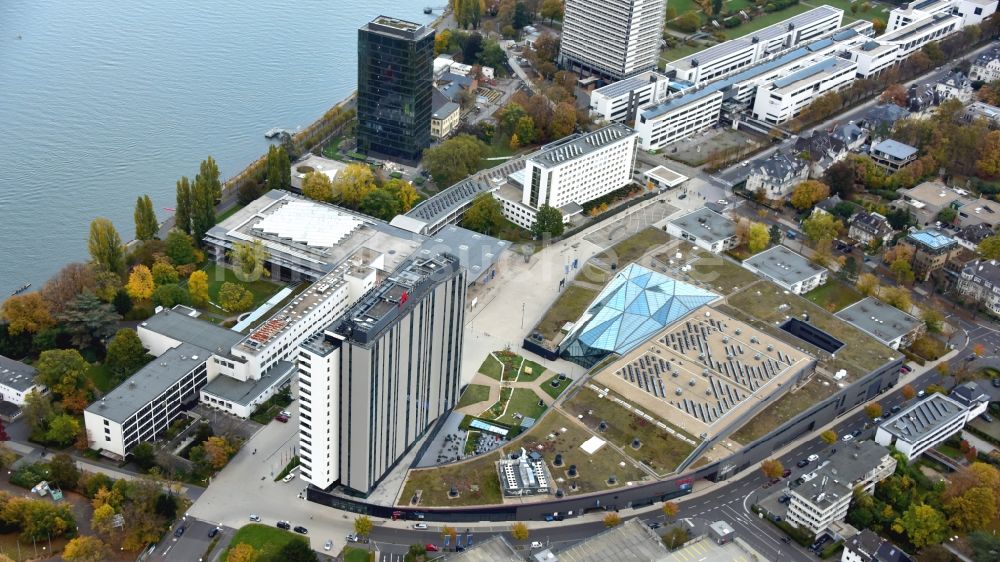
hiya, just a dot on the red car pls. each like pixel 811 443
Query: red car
pixel 282 418
pixel 431 548
pixel 786 473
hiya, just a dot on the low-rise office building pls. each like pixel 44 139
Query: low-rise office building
pixel 17 380
pixel 980 283
pixel 678 118
pixel 884 322
pixel 786 97
pixel 620 101
pixel 973 398
pixel 788 270
pixel 979 211
pixel 892 155
pixel 777 175
pixel 868 228
pixel 372 383
pixel 663 177
pixel 911 37
pixel 445 116
pixel 873 57
pixel 915 11
pixel 921 426
pixel 706 229
pixel 931 251
pixel 866 546
pixel 985 111
pixel 926 200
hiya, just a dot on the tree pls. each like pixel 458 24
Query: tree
pixel 208 171
pixel 202 206
pixel 86 549
pixel 37 409
pixel 380 204
pixel 525 130
pixel 973 510
pixel 989 248
pixel 144 455
pixel 563 120
pixel 898 297
pixel 902 272
pixel 671 509
pixel 492 55
pixel 140 284
pixel 63 471
pixel 180 247
pixel 64 371
pixel 612 519
pixel 485 215
pixel 808 193
pixel 758 238
pixel 552 10
pixel 772 468
pixel 867 284
pixel 828 437
pixel 353 184
pixel 72 279
pixel 88 319
pixel 27 313
pixel 363 526
pixel 716 7
pixel 548 221
pixel 105 245
pixel 164 273
pixel 249 259
pixel 841 177
pixel 279 169
pixel 932 320
pixel 896 93
pixel 908 392
pixel 169 295
pixel 63 430
pixel 218 450
pixel 242 552
pixel 922 524
pixel 675 537
pixel 873 410
pixel 521 16
pixel 947 215
pixel 318 186
pixel 125 353
pixel 821 226
pixel 455 158
pixel 519 531
pixel 183 211
pixel 102 520
pixel 688 21
pixel 297 551
pixel 198 288
pixel 146 225
pixel 233 297
pixel 774 234
pixel 879 25
pixel 404 192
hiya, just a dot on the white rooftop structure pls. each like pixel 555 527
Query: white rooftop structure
pixel 307 223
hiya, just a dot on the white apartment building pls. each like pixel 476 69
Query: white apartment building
pixel 678 118
pixel 913 36
pixel 737 54
pixel 373 383
pixel 971 12
pixel 922 425
pixel 788 270
pixel 786 97
pixel 570 172
pixel 613 38
pixel 980 283
pixel 17 380
pixel 619 102
pixel 986 67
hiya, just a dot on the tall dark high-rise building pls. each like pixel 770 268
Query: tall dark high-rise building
pixel 395 81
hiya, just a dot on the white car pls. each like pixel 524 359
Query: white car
pixel 813 458
pixel 847 437
pixel 288 478
pixel 328 545
pixel 536 544
pixel 722 202
pixel 286 413
pixel 352 538
pixel 255 518
pixel 421 526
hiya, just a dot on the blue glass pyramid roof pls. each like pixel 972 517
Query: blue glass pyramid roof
pixel 635 304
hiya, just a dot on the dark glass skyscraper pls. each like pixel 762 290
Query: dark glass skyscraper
pixel 395 79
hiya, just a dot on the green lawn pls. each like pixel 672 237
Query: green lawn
pixel 570 305
pixel 765 20
pixel 262 289
pixel 834 296
pixel 476 480
pixel 535 368
pixel 266 540
pixel 634 247
pixel 497 408
pixel 555 391
pixel 100 375
pixel 720 273
pixel 474 394
pixel 354 554
pixel 232 211
pixel 523 401
pixel 659 450
pixel 491 367
pixel 784 409
pixel 682 50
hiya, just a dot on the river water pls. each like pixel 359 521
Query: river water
pixel 103 101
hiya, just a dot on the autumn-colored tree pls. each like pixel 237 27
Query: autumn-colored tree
pixel 989 157
pixel 979 349
pixel 808 193
pixel 867 284
pixel 908 392
pixel 198 288
pixel 27 313
pixel 612 519
pixel 671 509
pixel 902 272
pixel 86 549
pixel 873 410
pixel 64 371
pixel 234 297
pixel 878 24
pixel 772 468
pixel 922 524
pixel 164 273
pixel 563 120
pixel 249 259
pixel 140 284
pixel 103 519
pixel 821 226
pixel 72 279
pixel 989 248
pixel 828 437
pixel 519 531
pixel 363 525
pixel 898 297
pixel 899 252
pixel 242 552
pixel 758 238
pixel 218 450
pixel 353 184
pixel 896 93
pixel 318 186
pixel 448 532
pixel 404 192
pixel 105 245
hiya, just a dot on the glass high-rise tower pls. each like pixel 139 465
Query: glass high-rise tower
pixel 395 81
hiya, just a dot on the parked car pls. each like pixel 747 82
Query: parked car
pixel 995 383
pixel 255 518
pixel 352 538
pixel 281 418
pixel 682 196
pixel 288 477
pixel 802 463
pixel 284 525
pixel 905 369
pixel 784 499
pixel 431 548
pixel 179 531
pixel 286 413
pixel 213 532
pixel 877 419
pixel 986 417
pixel 787 472
pixel 895 409
pixel 420 526
pixel 786 539
pixel 921 394
pixel 847 437
pixel 774 481
pixel 856 433
pixel 536 544
pixel 328 544
pixel 301 530
pixel 655 525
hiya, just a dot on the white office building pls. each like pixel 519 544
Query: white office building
pixel 613 38
pixel 678 118
pixel 913 36
pixel 971 12
pixel 786 97
pixel 921 426
pixel 374 382
pixel 873 57
pixel 706 229
pixel 570 172
pixel 619 102
pixel 788 270
pixel 17 380
pixel 737 54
